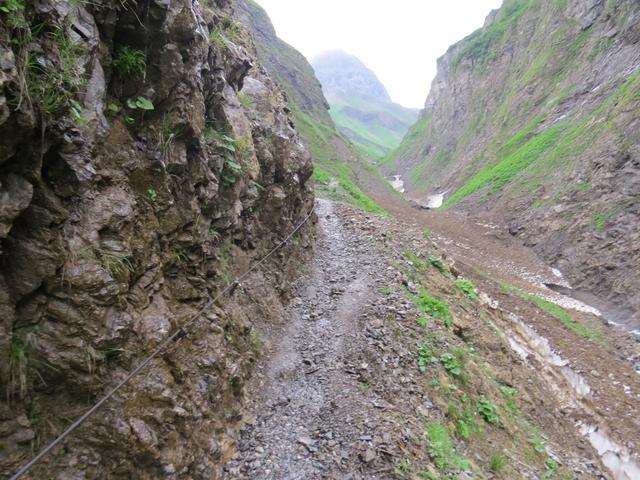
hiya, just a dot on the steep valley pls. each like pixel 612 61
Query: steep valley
pixel 532 122
pixel 183 216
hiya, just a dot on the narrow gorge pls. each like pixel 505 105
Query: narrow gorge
pixel 222 260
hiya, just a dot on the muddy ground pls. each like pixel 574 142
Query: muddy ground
pixel 361 380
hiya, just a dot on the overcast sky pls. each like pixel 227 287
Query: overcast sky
pixel 399 40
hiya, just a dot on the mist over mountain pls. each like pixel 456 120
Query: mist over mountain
pixel 360 104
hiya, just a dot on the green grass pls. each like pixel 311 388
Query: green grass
pixel 561 314
pixel 479 44
pixel 425 357
pixel 441 448
pixel 371 137
pixel 412 138
pixel 328 169
pixel 494 178
pixel 438 264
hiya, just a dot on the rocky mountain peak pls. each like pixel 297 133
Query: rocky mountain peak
pixel 343 74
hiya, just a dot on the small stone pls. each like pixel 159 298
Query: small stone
pixel 369 455
pixel 305 440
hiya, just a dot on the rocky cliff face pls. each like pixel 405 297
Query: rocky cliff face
pixel 360 104
pixel 146 158
pixel 339 170
pixel 534 119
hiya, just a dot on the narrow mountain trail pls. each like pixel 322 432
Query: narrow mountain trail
pixel 361 380
pixel 311 419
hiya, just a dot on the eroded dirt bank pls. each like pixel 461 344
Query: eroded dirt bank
pixel 385 367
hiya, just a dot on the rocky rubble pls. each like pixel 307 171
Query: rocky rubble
pixel 146 158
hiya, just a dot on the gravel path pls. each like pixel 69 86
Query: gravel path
pixel 310 413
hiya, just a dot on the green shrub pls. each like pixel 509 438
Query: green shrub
pixel 468 288
pixel 434 308
pixel 424 357
pixel 451 364
pixel 129 63
pixel 438 263
pixel 552 466
pixel 488 410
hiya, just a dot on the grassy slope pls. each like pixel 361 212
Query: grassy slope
pixel 523 144
pixel 374 138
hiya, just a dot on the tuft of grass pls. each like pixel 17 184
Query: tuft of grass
pixel 468 289
pixel 441 449
pixel 19 354
pixel 509 394
pixel 403 468
pixel 497 462
pixel 552 466
pixel 256 344
pixel 245 100
pixel 129 63
pixel 423 321
pixel 434 308
pixel 427 234
pixel 364 387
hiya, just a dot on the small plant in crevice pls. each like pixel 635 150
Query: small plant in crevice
pixel 115 264
pixel 140 103
pixel 153 195
pixel 467 288
pixel 245 100
pixel 488 410
pixel 167 137
pixel 423 321
pixel 12 10
pixel 51 86
pixel 19 357
pixel 129 63
pixel 427 234
pixel 364 387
